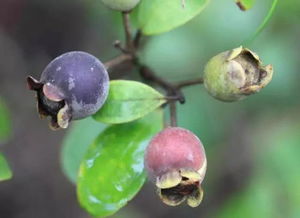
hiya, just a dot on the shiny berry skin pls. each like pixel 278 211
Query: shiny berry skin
pixel 121 5
pixel 175 159
pixel 72 86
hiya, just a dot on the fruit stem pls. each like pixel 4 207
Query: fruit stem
pixel 119 60
pixel 127 28
pixel 191 82
pixel 173 114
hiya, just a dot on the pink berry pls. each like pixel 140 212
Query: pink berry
pixel 175 159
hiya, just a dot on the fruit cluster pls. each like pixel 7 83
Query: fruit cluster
pixel 75 85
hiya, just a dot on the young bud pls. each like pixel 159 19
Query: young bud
pixel 233 75
pixel 175 160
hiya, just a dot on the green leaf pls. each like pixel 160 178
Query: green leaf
pixel 75 145
pixel 5 126
pixel 245 4
pixel 112 171
pixel 128 101
pixel 5 172
pixel 158 16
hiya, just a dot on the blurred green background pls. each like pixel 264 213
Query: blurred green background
pixel 252 146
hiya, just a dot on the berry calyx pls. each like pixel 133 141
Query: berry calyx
pixel 175 160
pixel 233 75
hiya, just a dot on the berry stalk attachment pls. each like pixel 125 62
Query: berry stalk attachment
pixel 175 160
pixel 233 75
pixel 72 86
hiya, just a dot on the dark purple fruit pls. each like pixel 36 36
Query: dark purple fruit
pixel 73 86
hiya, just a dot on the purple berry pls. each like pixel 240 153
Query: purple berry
pixel 73 86
pixel 175 159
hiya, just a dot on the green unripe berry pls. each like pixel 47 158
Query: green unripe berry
pixel 233 75
pixel 121 5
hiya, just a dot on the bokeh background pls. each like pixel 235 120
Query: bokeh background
pixel 252 146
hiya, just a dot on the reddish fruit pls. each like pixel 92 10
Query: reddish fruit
pixel 175 159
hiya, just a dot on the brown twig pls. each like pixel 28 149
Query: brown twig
pixel 119 60
pixel 171 90
pixel 129 54
pixel 127 28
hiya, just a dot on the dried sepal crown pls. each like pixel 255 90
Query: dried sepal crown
pixel 233 75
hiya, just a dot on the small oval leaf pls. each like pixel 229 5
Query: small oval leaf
pixel 75 145
pixel 112 171
pixel 5 172
pixel 128 101
pixel 245 5
pixel 5 125
pixel 157 16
